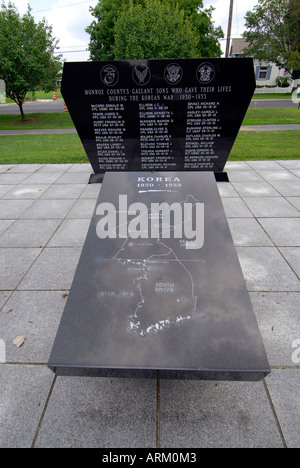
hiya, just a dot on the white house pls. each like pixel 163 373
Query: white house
pixel 266 73
pixel 2 92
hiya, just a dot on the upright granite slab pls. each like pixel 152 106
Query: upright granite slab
pixel 159 287
pixel 158 115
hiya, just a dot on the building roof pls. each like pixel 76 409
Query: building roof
pixel 238 46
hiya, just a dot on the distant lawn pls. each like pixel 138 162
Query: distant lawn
pixel 272 96
pixel 38 95
pixel 43 95
pixel 36 121
pixel 260 146
pixel 42 149
pixel 67 148
pixel 272 116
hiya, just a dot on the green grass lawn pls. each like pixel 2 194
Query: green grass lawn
pixel 272 116
pixel 42 149
pixel 67 148
pixel 38 95
pixel 272 96
pixel 43 95
pixel 36 121
pixel 256 146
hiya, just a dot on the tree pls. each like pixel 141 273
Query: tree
pixel 106 12
pixel 273 33
pixel 101 29
pixel 27 62
pixel 155 30
pixel 209 35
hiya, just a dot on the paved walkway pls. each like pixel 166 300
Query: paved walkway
pixel 268 128
pixel 45 131
pixel 45 211
pixel 255 128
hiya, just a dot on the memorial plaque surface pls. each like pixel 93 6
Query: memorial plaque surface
pixel 158 115
pixel 159 287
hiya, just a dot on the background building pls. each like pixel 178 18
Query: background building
pixel 267 74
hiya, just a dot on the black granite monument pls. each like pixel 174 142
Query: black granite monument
pixel 158 115
pixel 159 287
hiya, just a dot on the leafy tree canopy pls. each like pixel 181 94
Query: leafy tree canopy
pixel 106 13
pixel 156 31
pixel 273 33
pixel 27 62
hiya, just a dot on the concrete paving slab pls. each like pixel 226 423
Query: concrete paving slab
pixel 265 269
pixel 6 167
pixel 8 178
pixel 236 166
pixel 281 175
pixel 86 168
pixel 227 190
pixel 99 412
pixel 296 172
pixel 83 208
pixel 71 233
pixel 292 256
pixel 236 208
pixel 91 191
pixel 13 209
pixel 74 178
pixel 49 209
pixel 255 189
pixel 35 314
pixel 57 168
pixel 285 232
pixel 216 415
pixel 278 319
pixel 247 232
pixel 295 201
pixel 29 233
pixel 4 224
pixel 290 164
pixel 54 269
pixel 287 188
pixel 272 207
pixel 283 385
pixel 244 176
pixel 14 263
pixel 41 178
pixel 263 165
pixel 23 394
pixel 4 296
pixel 4 189
pixel 64 191
pixel 29 168
pixel 30 192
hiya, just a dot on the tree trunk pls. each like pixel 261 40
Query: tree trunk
pixel 19 98
pixel 20 104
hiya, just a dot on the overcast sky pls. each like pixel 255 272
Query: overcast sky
pixel 69 18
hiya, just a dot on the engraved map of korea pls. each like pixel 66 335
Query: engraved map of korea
pixel 157 280
pixel 173 283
